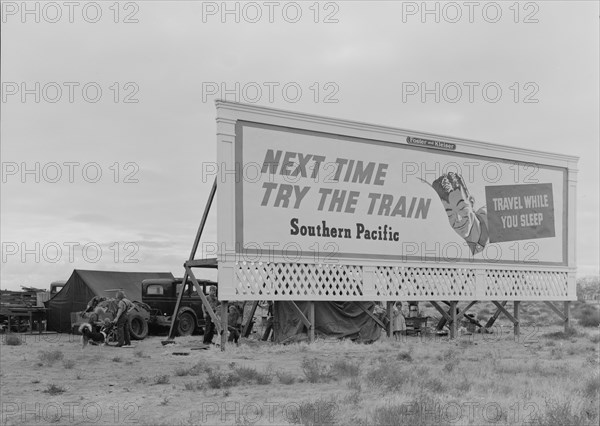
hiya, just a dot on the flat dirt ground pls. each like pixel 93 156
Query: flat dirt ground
pixel 543 377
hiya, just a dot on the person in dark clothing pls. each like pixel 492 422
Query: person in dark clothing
pixel 233 323
pixel 209 326
pixel 122 320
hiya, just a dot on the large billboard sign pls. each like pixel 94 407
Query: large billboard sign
pixel 349 198
pixel 314 191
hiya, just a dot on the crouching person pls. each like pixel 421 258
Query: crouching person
pixel 234 318
pixel 122 320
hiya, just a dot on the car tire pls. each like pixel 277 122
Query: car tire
pixel 138 327
pixel 186 324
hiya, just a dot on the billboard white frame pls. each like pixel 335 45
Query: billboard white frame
pixel 244 277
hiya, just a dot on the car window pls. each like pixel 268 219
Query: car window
pixel 155 289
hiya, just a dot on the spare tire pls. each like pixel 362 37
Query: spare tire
pixel 138 327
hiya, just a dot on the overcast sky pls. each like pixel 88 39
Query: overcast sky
pixel 356 62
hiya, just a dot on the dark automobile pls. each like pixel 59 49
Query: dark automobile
pixel 160 294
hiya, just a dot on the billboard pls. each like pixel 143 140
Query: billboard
pixel 309 205
pixel 307 195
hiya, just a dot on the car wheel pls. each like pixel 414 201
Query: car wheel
pixel 186 323
pixel 138 327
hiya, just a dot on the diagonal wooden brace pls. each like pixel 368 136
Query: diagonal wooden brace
pixel 247 325
pixel 556 310
pixel 505 312
pixel 207 306
pixel 211 197
pixel 442 311
pixel 301 315
pixel 377 320
pixel 494 317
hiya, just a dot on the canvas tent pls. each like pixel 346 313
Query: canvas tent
pixel 332 319
pixel 83 285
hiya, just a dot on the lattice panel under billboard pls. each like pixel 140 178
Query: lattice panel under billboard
pixel 299 281
pixel 305 281
pixel 427 283
pixel 503 284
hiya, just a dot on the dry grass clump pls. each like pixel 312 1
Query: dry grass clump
pixel 53 389
pixel 310 413
pixel 343 368
pixel 405 356
pixel 194 386
pixel 568 334
pixel 161 379
pixel 448 355
pixel 423 410
pixel 218 380
pixel 50 357
pixel 389 376
pixel 285 378
pixel 240 375
pixel 434 384
pixel 13 340
pixel 589 317
pixel 591 388
pixel 247 375
pixel 562 413
pixel 68 364
pixel 315 372
pixel 191 371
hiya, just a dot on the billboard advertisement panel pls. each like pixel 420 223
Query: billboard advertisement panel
pixel 306 195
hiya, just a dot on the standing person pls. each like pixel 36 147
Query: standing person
pixel 122 320
pixel 398 321
pixel 209 326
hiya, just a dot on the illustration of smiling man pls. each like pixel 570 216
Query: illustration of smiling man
pixel 460 208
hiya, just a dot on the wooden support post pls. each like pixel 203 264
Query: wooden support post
pixel 224 318
pixel 517 324
pixel 390 318
pixel 453 327
pixel 567 316
pixel 311 319
pixel 246 330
